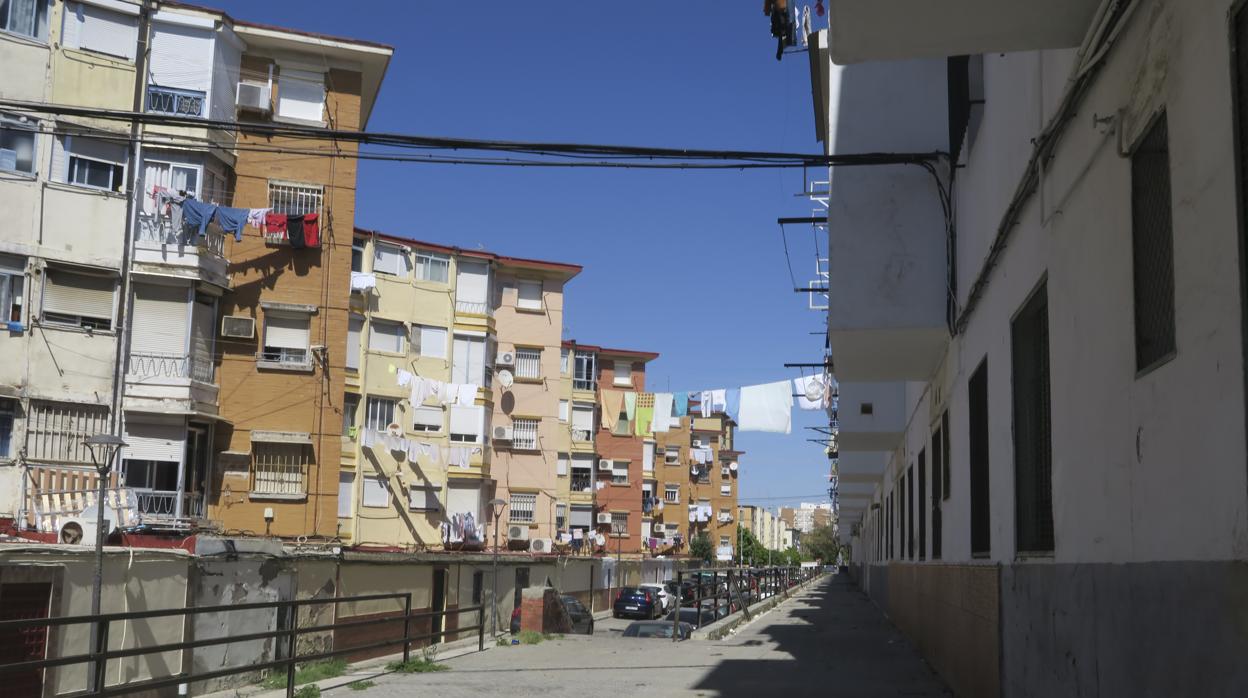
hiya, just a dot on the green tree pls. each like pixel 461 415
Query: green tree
pixel 752 550
pixel 821 544
pixel 700 547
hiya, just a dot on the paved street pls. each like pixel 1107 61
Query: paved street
pixel 828 640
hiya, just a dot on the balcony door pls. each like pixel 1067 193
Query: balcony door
pixel 159 340
pixel 152 466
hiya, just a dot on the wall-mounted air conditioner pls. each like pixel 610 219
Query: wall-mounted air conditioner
pixel 502 433
pixel 506 358
pixel 238 327
pixel 541 545
pixel 518 532
pixel 604 518
pixel 605 464
pixel 254 96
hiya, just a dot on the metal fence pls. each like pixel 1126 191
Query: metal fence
pixel 288 636
pixel 718 592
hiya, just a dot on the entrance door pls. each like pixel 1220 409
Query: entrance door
pixel 437 604
pixel 19 602
pixel 196 471
pixel 522 581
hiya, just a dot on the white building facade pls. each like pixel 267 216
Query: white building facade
pixel 1040 343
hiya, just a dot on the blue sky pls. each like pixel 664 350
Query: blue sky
pixel 688 264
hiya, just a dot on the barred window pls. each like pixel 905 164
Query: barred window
pixel 524 434
pixel 278 468
pixel 522 507
pixel 561 516
pixel 1152 248
pixel 528 363
pixel 671 494
pixel 619 522
pixel 671 455
pixel 295 199
pixel 380 413
pixel 55 431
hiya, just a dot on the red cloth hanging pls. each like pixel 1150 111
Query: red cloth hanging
pixel 274 222
pixel 311 230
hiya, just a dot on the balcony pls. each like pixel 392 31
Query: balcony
pixel 470 308
pixel 582 481
pixel 158 245
pixel 872 417
pixel 584 384
pixel 176 102
pixel 885 30
pixel 169 507
pixel 165 382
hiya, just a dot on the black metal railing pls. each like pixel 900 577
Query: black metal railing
pixel 732 589
pixel 99 657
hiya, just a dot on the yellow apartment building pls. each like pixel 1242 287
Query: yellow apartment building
pixel 697 472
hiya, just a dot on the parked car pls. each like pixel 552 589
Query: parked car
pixel 691 616
pixel 636 602
pixel 582 620
pixel 656 628
pixel 666 601
pixel 688 589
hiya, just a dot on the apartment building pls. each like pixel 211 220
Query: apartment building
pixel 807 516
pixel 761 522
pixel 453 317
pixel 1042 441
pixel 698 477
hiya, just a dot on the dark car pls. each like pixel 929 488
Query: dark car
pixel 582 620
pixel 691 616
pixel 636 602
pixel 656 628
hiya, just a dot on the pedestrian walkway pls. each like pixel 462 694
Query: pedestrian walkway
pixel 829 640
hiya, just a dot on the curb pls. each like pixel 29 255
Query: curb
pixel 722 627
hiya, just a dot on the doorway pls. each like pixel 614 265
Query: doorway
pixel 437 604
pixel 22 601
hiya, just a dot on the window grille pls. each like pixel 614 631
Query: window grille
pixel 1033 494
pixel 561 516
pixel 671 494
pixel 278 468
pixel 522 507
pixel 619 472
pixel 619 522
pixel 528 363
pixel 380 413
pixel 1152 247
pixel 524 434
pixel 55 431
pixel 293 200
pixel 977 448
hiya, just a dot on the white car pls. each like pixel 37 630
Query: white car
pixel 667 603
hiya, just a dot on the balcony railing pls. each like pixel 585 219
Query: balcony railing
pixel 160 505
pixel 150 364
pixel 157 231
pixel 584 384
pixel 582 481
pixel 170 100
pixel 582 435
pixel 469 308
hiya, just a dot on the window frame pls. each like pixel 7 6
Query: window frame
pixel 8 419
pixel 533 357
pixel 303 455
pixel 671 493
pixel 350 413
pixel 79 321
pixel 14 123
pixel 1032 427
pixel 419 345
pixel 117 173
pixel 422 267
pixel 616 471
pixel 616 380
pixel 527 508
pixel 458 437
pixel 536 424
pixel 1152 240
pixel 388 329
pixel 401 255
pixel 374 407
pixel 14 291
pixel 430 491
pixel 428 427
pixel 39 31
pixel 285 356
pixel 530 306
pixel 671 455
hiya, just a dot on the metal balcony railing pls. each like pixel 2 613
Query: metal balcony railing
pixel 171 100
pixel 160 504
pixel 469 308
pixel 150 364
pixel 582 435
pixel 157 231
pixel 584 384
pixel 582 482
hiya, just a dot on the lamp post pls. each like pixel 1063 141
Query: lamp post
pixel 496 506
pixel 619 529
pixel 103 448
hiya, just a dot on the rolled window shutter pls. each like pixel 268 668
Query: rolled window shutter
pixel 354 327
pixel 181 57
pixel 464 499
pixel 466 420
pixel 159 319
pixel 285 332
pixel 105 31
pixel 301 94
pixel 68 293
pixel 472 282
pixel 160 442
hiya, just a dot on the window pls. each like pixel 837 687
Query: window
pixel 619 522
pixel 564 409
pixel 93 28
pixel 902 515
pixel 923 504
pixel 582 422
pixel 522 506
pixel 619 472
pixel 357 254
pixel 350 406
pixel 278 468
pixel 944 455
pixel 17 140
pixel 583 378
pixel 468 360
pixel 355 327
pixel 390 259
pixel 427 419
pixel 55 431
pixel 561 465
pixel 723 541
pixel 380 414
pixel 386 336
pixel 467 423
pixel 977 415
pixel 623 427
pixel 671 494
pixel 433 267
pixel 423 497
pixel 561 517
pixel 582 472
pixel 529 295
pixel 376 494
pixel 12 288
pixel 647 457
pixel 286 338
pixel 938 456
pixel 8 410
pixel 623 373
pixel 725 490
pixel 1152 248
pixel 301 94
pixel 429 341
pixel 472 284
pixel 78 300
pixel 346 492
pixel 478 587
pixel 528 363
pixel 295 199
pixel 524 433
pixel 671 455
pixel 703 440
pixel 1033 480
pixel 563 362
pixel 25 17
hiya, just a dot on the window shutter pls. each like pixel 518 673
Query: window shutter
pixel 583 419
pixel 385 336
pixel 463 499
pixel 529 295
pixel 301 94
pixel 346 491
pixel 78 294
pixel 355 325
pixel 471 282
pixel 428 417
pixel 285 332
pixel 466 419
pixel 582 516
pixel 561 465
pixel 159 323
pixel 375 494
pixel 422 497
pixel 181 57
pixel 432 341
pixel 563 410
pixel 97 29
pixel 97 149
pixel 161 442
pixel 647 462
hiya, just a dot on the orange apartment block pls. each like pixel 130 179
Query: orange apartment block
pixel 698 497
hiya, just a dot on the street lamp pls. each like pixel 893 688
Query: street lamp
pixel 619 528
pixel 496 506
pixel 103 448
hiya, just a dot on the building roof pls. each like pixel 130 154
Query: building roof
pixel 643 355
pixel 567 269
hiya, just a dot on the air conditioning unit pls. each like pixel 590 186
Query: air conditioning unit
pixel 518 532
pixel 254 96
pixel 506 358
pixel 604 518
pixel 604 464
pixel 238 327
pixel 502 433
pixel 541 545
pixel 81 530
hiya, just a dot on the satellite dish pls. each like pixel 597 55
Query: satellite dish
pixel 505 379
pixel 814 390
